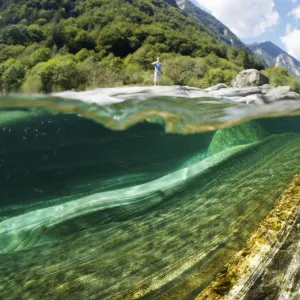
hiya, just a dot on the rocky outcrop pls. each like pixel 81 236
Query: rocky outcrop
pixel 248 78
pixel 288 62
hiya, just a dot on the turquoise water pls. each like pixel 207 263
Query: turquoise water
pixel 136 200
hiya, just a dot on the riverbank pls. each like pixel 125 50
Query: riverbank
pixel 249 95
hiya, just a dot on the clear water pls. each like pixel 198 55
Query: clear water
pixel 137 200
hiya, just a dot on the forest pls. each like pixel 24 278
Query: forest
pixel 56 45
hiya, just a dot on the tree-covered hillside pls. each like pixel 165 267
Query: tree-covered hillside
pixel 214 25
pixel 48 45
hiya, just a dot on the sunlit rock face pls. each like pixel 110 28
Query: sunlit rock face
pixel 272 55
pixel 137 200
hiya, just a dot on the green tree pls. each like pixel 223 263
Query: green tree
pixel 10 51
pixel 115 38
pixel 58 73
pixel 20 35
pixel 13 76
pixel 39 55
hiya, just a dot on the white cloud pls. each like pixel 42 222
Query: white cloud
pixel 245 18
pixel 288 28
pixel 295 12
pixel 291 42
pixel 293 1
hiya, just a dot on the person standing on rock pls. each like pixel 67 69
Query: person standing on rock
pixel 157 71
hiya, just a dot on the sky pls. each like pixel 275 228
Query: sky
pixel 252 21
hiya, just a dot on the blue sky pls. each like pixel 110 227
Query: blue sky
pixel 283 7
pixel 260 20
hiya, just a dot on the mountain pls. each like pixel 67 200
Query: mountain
pixel 65 44
pixel 272 55
pixel 217 28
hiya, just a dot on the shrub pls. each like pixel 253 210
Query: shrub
pixel 181 69
pixel 295 85
pixel 10 51
pixel 278 76
pixel 58 73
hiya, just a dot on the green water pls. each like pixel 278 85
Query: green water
pixel 90 210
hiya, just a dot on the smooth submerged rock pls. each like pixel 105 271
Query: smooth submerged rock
pixel 246 133
pixel 256 271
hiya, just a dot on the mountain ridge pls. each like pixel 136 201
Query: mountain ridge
pixel 191 7
pixel 272 55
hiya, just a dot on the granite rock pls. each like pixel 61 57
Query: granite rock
pixel 248 78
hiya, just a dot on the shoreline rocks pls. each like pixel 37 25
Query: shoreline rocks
pixel 248 95
pixel 249 87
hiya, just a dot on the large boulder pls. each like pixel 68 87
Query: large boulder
pixel 248 78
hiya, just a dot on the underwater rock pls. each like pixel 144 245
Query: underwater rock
pixel 243 134
pixel 256 272
pixel 131 244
